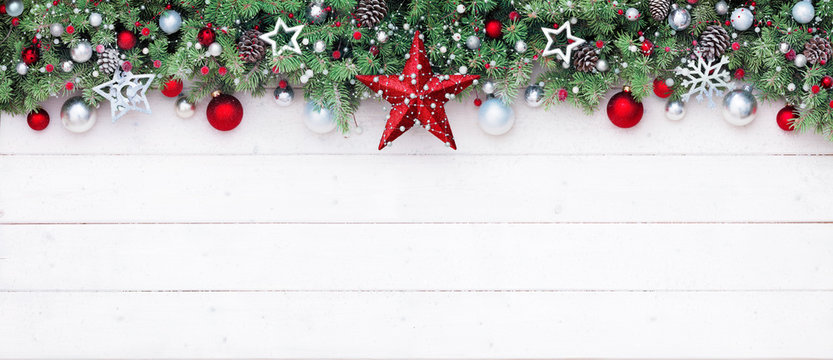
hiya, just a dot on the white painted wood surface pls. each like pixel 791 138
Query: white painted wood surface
pixel 157 237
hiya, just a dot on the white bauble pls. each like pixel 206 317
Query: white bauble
pixel 319 120
pixel 495 117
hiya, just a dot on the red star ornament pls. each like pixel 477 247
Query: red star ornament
pixel 417 96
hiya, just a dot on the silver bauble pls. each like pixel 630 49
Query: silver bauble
pixel 215 49
pixel 14 7
pixel 318 120
pixel 739 107
pixel 56 29
pixel 473 42
pixel 784 47
pixel 632 14
pixel 534 95
pixel 800 60
pixel 721 8
pixel 382 37
pixel 675 110
pixel 602 65
pixel 77 116
pixel 284 95
pixel 184 109
pixel 67 66
pixel 317 13
pixel 170 21
pixel 488 86
pixel 803 12
pixel 495 117
pixel 520 46
pixel 81 51
pixel 742 19
pixel 319 46
pixel 21 68
pixel 95 19
pixel 679 18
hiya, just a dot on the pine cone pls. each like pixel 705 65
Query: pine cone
pixel 818 50
pixel 659 9
pixel 713 42
pixel 251 47
pixel 371 12
pixel 585 58
pixel 108 61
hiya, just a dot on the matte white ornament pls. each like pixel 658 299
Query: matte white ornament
pixel 742 19
pixel 602 65
pixel 631 14
pixel 21 68
pixel 800 60
pixel 14 7
pixel 803 12
pixel 170 21
pixel 489 86
pixel 215 49
pixel 319 46
pixel 473 42
pixel 721 8
pixel 81 51
pixel 319 120
pixel 56 29
pixel 495 117
pixel 95 19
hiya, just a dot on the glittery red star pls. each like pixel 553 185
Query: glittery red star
pixel 417 97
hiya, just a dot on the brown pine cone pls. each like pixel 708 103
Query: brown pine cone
pixel 371 12
pixel 659 9
pixel 713 42
pixel 585 58
pixel 251 47
pixel 108 61
pixel 818 50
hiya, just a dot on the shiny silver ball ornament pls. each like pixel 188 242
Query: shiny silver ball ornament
pixel 534 95
pixel 721 8
pixel 742 19
pixel 800 60
pixel 170 21
pixel 184 109
pixel 14 7
pixel 284 95
pixel 215 49
pixel 317 13
pixel 495 117
pixel 319 120
pixel 674 110
pixel 521 46
pixel 489 86
pixel 77 116
pixel 803 12
pixel 784 47
pixel 679 18
pixel 739 107
pixel 382 37
pixel 56 29
pixel 632 14
pixel 81 51
pixel 319 46
pixel 21 68
pixel 602 65
pixel 473 42
pixel 67 66
pixel 95 19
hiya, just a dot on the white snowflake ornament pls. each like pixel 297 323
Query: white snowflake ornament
pixel 705 79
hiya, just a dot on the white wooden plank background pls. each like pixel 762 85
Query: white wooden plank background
pixel 157 237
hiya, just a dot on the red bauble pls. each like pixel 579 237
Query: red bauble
pixel 786 118
pixel 172 88
pixel 647 47
pixel 206 36
pixel 38 119
pixel 374 50
pixel 224 112
pixel 662 89
pixel 126 40
pixel 827 82
pixel 3 9
pixel 494 29
pixel 30 55
pixel 623 110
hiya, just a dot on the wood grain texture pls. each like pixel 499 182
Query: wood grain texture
pixel 417 257
pixel 161 238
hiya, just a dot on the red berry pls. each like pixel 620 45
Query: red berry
pixel 739 74
pixel 338 23
pixel 600 44
pixel 69 86
pixel 735 46
pixel 357 35
pixel 374 50
pixel 494 29
pixel 49 68
pixel 15 21
pixel 145 31
pixel 815 89
pixel 336 55
pixel 204 70
pixel 514 16
pixel 70 29
pixel 283 84
pixel 478 102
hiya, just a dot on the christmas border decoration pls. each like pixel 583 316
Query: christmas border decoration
pixel 88 51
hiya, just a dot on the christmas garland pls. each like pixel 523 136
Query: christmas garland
pixel 343 51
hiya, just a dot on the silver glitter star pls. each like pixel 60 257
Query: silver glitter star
pixel 126 92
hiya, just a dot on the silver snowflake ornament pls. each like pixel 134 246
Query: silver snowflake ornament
pixel 705 79
pixel 126 92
